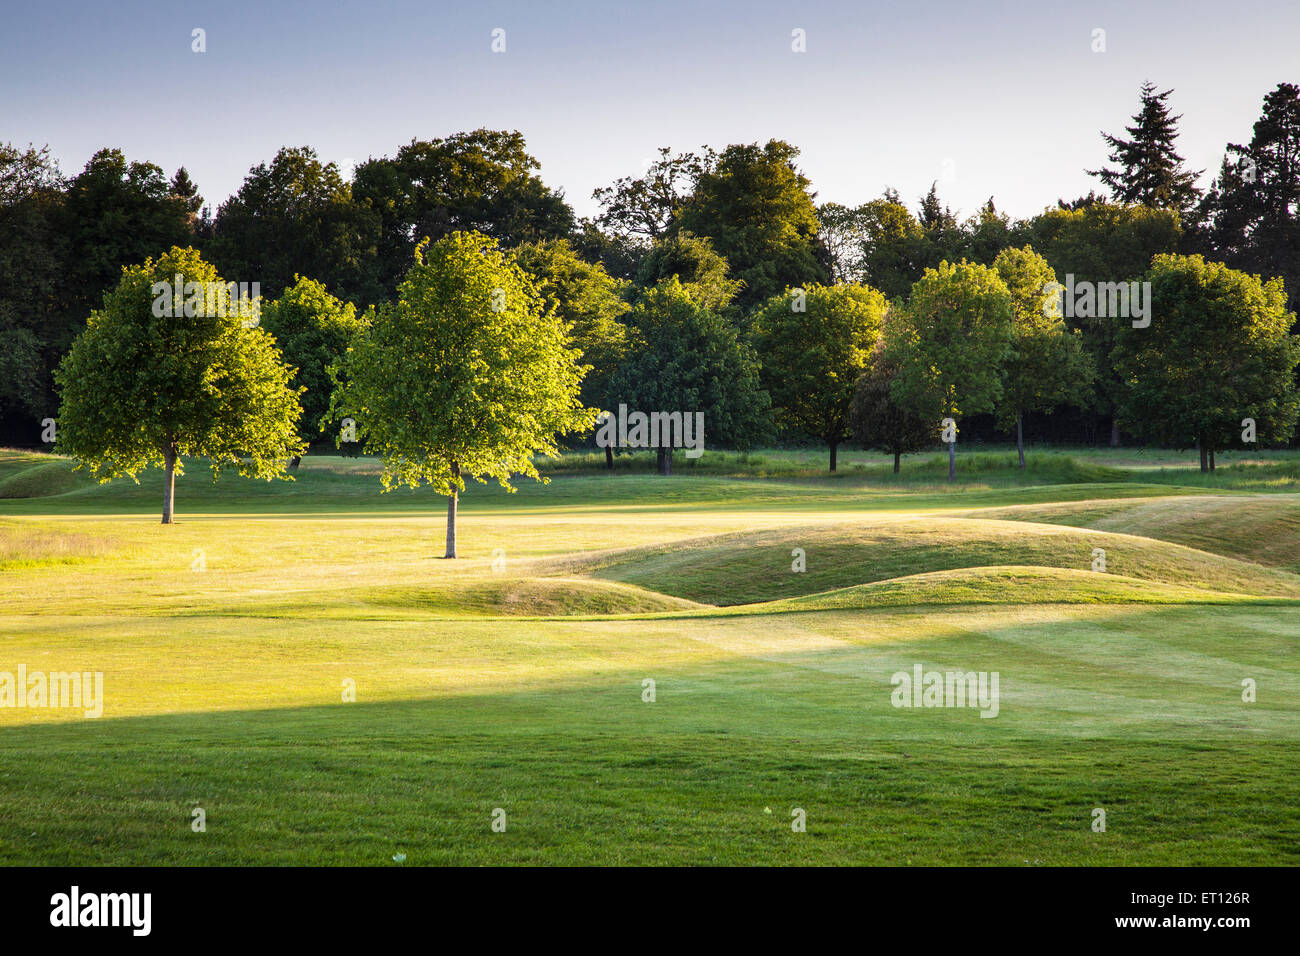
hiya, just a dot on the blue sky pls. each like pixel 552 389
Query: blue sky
pixel 999 98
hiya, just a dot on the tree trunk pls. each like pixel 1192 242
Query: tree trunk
pixel 169 485
pixel 294 462
pixel 1205 458
pixel 897 456
pixel 1020 438
pixel 1114 432
pixel 834 448
pixel 665 461
pixel 952 461
pixel 609 457
pixel 1211 458
pixel 451 514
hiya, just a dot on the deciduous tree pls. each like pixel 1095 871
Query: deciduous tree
pixel 591 304
pixel 1219 350
pixel 758 210
pixel 814 345
pixel 949 344
pixel 687 358
pixel 160 375
pixel 1047 365
pixel 482 181
pixel 467 374
pixel 294 216
pixel 878 421
pixel 313 330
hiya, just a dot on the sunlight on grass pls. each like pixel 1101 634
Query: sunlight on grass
pixel 515 676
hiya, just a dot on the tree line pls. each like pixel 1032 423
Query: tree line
pixel 715 280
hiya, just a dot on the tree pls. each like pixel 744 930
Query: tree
pixel 640 209
pixel 689 359
pixel 186 193
pixel 313 330
pixel 895 248
pixel 590 302
pixel 703 273
pixel 1047 365
pixel 949 344
pixel 1250 217
pixel 293 216
pixel 1218 351
pixel 933 215
pixel 757 209
pixel 617 254
pixel 481 181
pixel 466 374
pixel 814 345
pixel 1150 171
pixel 158 374
pixel 844 233
pixel 120 213
pixel 1103 242
pixel 878 421
pixel 33 282
pixel 988 233
pixel 1082 202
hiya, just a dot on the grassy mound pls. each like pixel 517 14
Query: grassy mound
pixel 40 476
pixel 527 597
pixel 1260 528
pixel 1009 585
pixel 751 567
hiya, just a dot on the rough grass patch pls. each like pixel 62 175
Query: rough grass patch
pixel 22 546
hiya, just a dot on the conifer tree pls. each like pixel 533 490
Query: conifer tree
pixel 1150 171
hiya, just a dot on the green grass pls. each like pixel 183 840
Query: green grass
pixel 748 567
pixel 513 678
pixel 1265 530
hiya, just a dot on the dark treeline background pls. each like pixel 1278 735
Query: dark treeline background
pixel 742 220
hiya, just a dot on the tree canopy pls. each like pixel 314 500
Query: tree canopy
pixel 814 345
pixel 759 212
pixel 949 344
pixel 1047 365
pixel 172 367
pixel 467 373
pixel 313 330
pixel 293 216
pixel 705 275
pixel 589 301
pixel 1219 350
pixel 482 181
pixel 687 358
pixel 1148 169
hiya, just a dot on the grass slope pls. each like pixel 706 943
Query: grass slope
pixel 1259 528
pixel 757 566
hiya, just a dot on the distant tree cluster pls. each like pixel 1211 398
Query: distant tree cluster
pixel 712 282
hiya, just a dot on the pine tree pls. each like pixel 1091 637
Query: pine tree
pixel 1150 171
pixel 1250 217
pixel 934 216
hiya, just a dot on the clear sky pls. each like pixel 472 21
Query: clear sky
pixel 997 98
